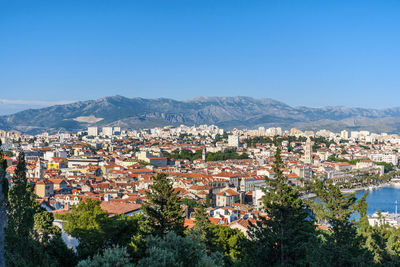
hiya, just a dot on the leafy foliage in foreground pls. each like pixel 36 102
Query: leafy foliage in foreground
pixel 96 231
pixel 175 250
pixel 111 257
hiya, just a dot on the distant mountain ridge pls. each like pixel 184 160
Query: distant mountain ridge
pixel 227 112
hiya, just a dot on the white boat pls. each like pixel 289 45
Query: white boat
pixel 381 218
pixel 384 218
pixel 370 188
pixel 395 182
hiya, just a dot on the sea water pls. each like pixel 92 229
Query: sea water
pixel 383 199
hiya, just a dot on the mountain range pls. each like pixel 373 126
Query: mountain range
pixel 226 112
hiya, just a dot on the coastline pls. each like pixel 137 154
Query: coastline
pixel 357 189
pixel 365 188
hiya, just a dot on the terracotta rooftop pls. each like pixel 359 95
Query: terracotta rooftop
pixel 117 208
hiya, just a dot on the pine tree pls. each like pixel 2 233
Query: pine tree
pixel 362 205
pixel 282 238
pixel 218 238
pixel 204 228
pixel 162 208
pixel 202 222
pixel 343 246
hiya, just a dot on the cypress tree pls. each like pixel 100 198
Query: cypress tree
pixel 30 242
pixel 3 203
pixel 162 208
pixel 20 217
pixel 20 247
pixel 22 204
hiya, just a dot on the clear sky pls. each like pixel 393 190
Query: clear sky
pixel 312 53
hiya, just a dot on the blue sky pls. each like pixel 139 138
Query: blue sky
pixel 312 53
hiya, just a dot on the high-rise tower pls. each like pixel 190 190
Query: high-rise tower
pixel 308 152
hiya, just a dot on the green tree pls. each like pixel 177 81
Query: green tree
pixel 202 223
pixel 378 239
pixel 203 228
pixel 218 238
pixel 191 203
pixel 43 225
pixel 393 245
pixel 284 237
pixel 30 238
pixel 361 207
pixel 184 154
pixel 85 222
pixel 57 250
pixel 22 204
pixel 343 246
pixel 230 242
pixel 111 257
pixel 387 166
pixel 172 249
pixel 225 155
pixel 21 210
pixel 3 203
pixel 96 231
pixel 49 236
pixel 162 207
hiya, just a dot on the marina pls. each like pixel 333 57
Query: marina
pixel 383 204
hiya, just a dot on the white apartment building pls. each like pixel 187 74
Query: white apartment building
pixel 233 140
pixel 250 184
pixel 344 134
pixel 107 131
pixel 385 157
pixel 6 144
pixel 93 131
pixel 354 134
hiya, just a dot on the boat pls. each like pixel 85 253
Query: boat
pixel 384 218
pixel 381 218
pixel 395 182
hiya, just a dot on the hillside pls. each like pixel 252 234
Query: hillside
pixel 227 112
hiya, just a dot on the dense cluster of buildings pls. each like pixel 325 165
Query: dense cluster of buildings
pixel 116 166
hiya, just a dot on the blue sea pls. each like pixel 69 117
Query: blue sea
pixel 382 199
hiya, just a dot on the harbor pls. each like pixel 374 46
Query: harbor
pixel 383 204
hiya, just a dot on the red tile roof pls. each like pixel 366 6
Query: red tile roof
pixel 117 208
